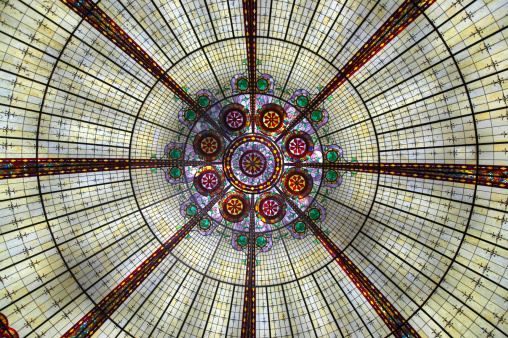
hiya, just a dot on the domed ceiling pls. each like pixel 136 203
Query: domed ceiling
pixel 253 168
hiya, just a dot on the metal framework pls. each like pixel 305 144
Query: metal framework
pixel 481 175
pixel 399 326
pixel 92 321
pixel 395 24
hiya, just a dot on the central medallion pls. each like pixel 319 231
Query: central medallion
pixel 252 163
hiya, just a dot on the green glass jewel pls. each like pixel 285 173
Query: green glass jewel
pixel 302 101
pixel 300 227
pixel 316 116
pixel 331 176
pixel 204 224
pixel 203 101
pixel 314 214
pixel 175 153
pixel 243 84
pixel 261 241
pixel 190 115
pixel 262 84
pixel 175 172
pixel 332 156
pixel 241 240
pixel 191 210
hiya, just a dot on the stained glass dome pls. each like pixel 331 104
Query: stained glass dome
pixel 250 168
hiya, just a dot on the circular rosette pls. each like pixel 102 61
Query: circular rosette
pixel 297 146
pixel 270 119
pixel 234 118
pixel 209 181
pixel 252 163
pixel 208 145
pixel 234 207
pixel 270 208
pixel 297 182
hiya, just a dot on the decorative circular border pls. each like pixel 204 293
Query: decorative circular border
pixel 241 234
pixel 331 150
pixel 308 142
pixel 172 170
pixel 261 112
pixel 308 182
pixel 311 117
pixel 201 189
pixel 186 118
pixel 303 97
pixel 174 148
pixel 243 78
pixel 242 110
pixel 296 224
pixel 228 169
pixel 310 212
pixel 270 219
pixel 206 219
pixel 327 180
pixel 263 78
pixel 263 164
pixel 189 205
pixel 226 214
pixel 258 237
pixel 200 99
pixel 196 144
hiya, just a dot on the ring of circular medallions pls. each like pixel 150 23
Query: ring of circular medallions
pixel 234 207
pixel 234 118
pixel 270 208
pixel 208 145
pixel 209 181
pixel 297 182
pixel 299 228
pixel 271 119
pixel 260 179
pixel 297 146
